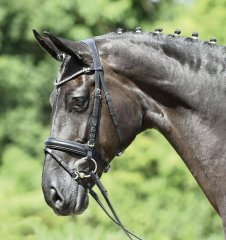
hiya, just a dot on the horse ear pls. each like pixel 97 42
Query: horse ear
pixel 48 46
pixel 76 50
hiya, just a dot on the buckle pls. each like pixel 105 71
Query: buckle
pixel 119 154
pixel 99 68
pixel 97 93
pixel 87 70
pixel 107 168
pixel 91 144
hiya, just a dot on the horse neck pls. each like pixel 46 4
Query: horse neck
pixel 180 96
pixel 175 76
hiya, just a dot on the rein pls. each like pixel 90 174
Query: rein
pixel 88 151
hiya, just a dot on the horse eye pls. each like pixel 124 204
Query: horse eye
pixel 79 101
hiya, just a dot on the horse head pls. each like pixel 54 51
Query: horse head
pixel 93 112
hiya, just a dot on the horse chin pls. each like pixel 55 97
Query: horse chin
pixel 82 201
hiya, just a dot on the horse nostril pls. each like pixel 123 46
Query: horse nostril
pixel 56 198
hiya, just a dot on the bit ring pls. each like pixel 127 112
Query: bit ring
pixel 83 175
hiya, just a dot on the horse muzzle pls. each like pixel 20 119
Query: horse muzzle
pixel 62 193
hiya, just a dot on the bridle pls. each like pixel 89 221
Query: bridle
pixel 88 151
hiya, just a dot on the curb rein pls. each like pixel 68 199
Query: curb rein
pixel 88 151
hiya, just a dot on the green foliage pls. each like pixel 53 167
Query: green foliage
pixel 204 16
pixel 150 186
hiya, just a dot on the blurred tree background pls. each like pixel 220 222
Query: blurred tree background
pixel 150 186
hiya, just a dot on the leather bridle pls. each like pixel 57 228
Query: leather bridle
pixel 88 151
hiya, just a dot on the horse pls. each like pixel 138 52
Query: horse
pixel 112 87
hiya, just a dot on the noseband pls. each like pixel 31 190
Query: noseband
pixel 88 151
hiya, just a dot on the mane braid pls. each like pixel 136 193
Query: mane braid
pixel 181 48
pixel 161 37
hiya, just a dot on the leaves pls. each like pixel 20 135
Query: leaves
pixel 152 190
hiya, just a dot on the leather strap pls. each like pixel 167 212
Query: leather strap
pixel 74 174
pixel 96 198
pixel 101 83
pixel 115 219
